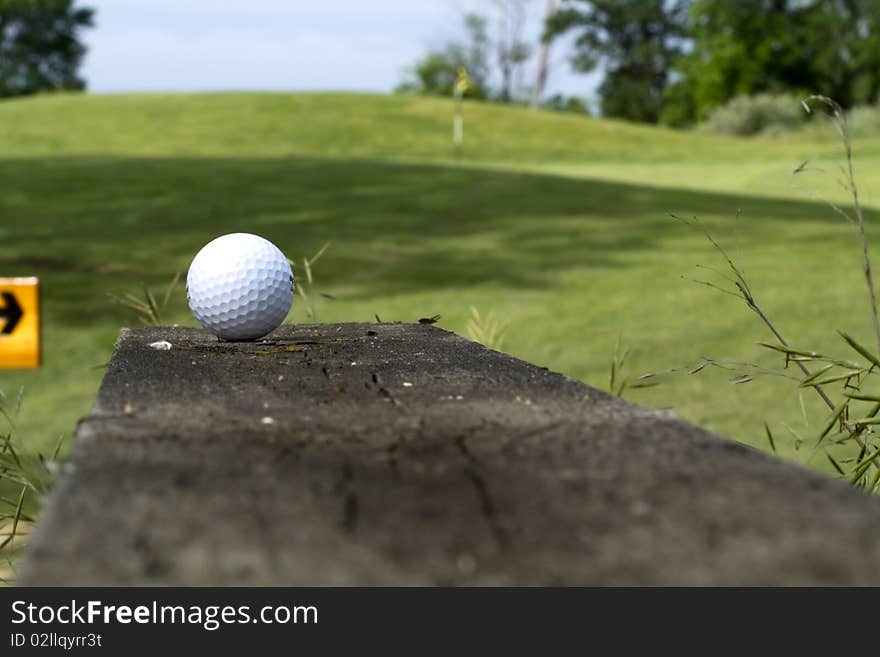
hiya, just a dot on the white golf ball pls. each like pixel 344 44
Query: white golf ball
pixel 240 286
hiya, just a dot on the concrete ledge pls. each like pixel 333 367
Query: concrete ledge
pixel 380 454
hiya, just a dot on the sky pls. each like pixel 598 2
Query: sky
pixel 358 45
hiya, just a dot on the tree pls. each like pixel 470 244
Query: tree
pixel 543 58
pixel 436 73
pixel 636 41
pixel 477 64
pixel 39 45
pixel 511 49
pixel 745 47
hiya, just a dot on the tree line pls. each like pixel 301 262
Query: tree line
pixel 662 61
pixel 673 61
pixel 40 47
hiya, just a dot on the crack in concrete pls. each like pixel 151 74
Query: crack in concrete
pixel 474 472
pixel 346 488
pixel 383 391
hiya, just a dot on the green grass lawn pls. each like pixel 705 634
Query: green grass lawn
pixel 556 223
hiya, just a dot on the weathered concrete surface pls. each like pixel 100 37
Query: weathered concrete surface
pixel 403 454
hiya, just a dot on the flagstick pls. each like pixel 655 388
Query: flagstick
pixel 461 85
pixel 458 124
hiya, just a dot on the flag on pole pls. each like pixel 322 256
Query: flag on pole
pixel 462 82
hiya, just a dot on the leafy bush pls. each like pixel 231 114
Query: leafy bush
pixel 561 103
pixel 750 115
pixel 864 120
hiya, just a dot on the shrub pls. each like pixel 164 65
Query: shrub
pixel 561 103
pixel 750 115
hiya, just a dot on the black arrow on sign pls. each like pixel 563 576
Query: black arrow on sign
pixel 11 311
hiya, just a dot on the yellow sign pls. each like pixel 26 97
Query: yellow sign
pixel 19 322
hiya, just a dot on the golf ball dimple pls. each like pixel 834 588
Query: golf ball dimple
pixel 240 286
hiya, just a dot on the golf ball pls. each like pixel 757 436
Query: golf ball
pixel 240 286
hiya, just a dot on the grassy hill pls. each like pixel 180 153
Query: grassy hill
pixel 557 223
